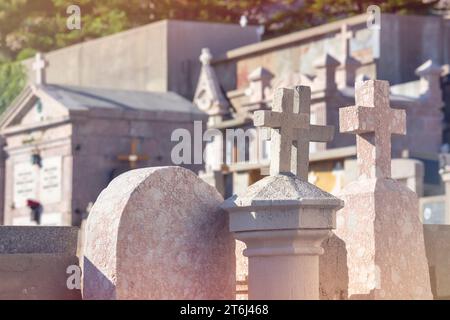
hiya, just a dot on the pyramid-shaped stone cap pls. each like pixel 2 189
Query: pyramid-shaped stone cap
pixel 282 190
pixel 428 67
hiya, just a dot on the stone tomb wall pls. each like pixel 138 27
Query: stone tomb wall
pixel 98 141
pixel 50 183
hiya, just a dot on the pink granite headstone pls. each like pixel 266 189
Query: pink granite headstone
pixel 157 233
pixel 378 251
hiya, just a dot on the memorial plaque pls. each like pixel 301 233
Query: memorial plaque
pixel 50 180
pixel 24 184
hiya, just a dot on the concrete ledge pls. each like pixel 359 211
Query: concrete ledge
pixel 36 276
pixel 38 240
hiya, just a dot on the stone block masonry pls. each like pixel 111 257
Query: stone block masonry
pixel 34 261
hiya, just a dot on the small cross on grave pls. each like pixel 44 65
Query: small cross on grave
pixel 39 65
pixel 373 122
pixel 133 158
pixel 291 131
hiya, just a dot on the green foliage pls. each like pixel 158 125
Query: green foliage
pixel 41 25
pixel 25 54
pixel 27 26
pixel 316 12
pixel 12 81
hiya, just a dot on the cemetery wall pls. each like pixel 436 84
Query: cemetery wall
pixel 426 36
pixel 34 261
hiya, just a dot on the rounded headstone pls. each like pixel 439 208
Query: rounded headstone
pixel 158 233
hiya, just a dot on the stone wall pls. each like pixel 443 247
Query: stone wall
pixel 34 260
pixel 161 56
pixel 97 141
pixel 386 57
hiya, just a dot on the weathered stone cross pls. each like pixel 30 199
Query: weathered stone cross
pixel 291 131
pixel 346 35
pixel 39 65
pixel 373 121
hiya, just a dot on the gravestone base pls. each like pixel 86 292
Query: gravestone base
pixel 379 250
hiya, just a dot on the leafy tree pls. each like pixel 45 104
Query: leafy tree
pixel 27 26
pixel 41 25
pixel 12 81
pixel 316 12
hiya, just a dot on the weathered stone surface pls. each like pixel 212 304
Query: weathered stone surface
pixel 437 246
pixel 379 252
pixel 333 270
pixel 241 262
pixel 31 239
pixel 373 121
pixel 34 262
pixel 282 202
pixel 282 219
pixel 157 233
pixel 36 276
pixel 379 247
pixel 287 204
pixel 291 131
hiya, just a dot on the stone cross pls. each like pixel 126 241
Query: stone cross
pixel 205 56
pixel 291 131
pixel 39 65
pixel 346 36
pixel 133 157
pixel 373 121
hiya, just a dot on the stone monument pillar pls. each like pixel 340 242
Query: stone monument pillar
pixel 382 248
pixel 282 218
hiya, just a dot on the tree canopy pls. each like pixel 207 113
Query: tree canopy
pixel 27 26
pixel 30 25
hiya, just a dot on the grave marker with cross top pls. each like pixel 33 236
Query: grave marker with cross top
pixel 373 122
pixel 291 131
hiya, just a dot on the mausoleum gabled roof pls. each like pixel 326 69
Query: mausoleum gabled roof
pixel 65 99
pixel 74 97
